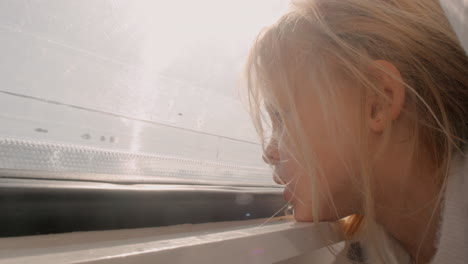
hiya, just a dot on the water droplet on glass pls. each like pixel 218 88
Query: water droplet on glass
pixel 289 210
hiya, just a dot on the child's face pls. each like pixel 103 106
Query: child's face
pixel 334 184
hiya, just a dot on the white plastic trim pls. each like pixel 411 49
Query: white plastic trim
pixel 233 243
pixel 22 158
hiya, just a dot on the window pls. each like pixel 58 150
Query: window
pixel 113 108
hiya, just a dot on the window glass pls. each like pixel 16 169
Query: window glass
pixel 121 90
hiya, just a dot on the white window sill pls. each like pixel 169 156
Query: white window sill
pixel 280 240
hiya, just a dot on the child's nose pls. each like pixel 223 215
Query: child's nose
pixel 271 155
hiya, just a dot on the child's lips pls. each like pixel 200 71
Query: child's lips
pixel 287 195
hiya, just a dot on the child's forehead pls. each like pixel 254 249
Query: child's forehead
pixel 282 96
pixel 279 91
pixel 279 104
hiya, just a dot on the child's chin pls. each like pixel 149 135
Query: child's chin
pixel 304 217
pixel 300 217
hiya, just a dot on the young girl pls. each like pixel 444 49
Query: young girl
pixel 368 106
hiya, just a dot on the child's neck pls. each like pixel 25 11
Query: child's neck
pixel 406 205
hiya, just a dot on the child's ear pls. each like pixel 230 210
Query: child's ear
pixel 385 104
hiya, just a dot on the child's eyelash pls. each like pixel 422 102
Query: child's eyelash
pixel 276 116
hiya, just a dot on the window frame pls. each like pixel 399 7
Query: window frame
pixel 279 241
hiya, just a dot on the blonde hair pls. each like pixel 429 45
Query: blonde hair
pixel 318 40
